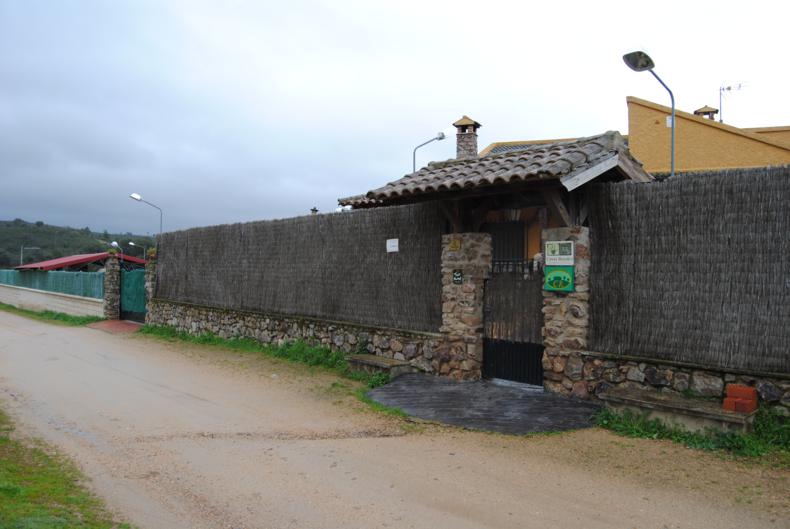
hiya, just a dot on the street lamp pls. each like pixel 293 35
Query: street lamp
pixel 439 136
pixel 145 248
pixel 22 252
pixel 640 61
pixel 138 198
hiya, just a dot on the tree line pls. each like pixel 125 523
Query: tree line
pixel 57 241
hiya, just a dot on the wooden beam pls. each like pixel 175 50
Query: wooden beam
pixel 452 214
pixel 573 181
pixel 557 206
pixel 633 169
pixel 584 209
pixel 529 186
pixel 543 218
pixel 479 213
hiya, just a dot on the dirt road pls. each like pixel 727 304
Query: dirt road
pixel 179 436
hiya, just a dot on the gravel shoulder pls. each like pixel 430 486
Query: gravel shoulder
pixel 176 435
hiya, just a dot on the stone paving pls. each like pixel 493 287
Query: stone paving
pixel 116 326
pixel 485 405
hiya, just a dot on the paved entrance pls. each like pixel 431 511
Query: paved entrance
pixel 484 405
pixel 116 326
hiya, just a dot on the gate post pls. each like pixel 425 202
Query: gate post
pixel 566 320
pixel 112 288
pixel 466 263
pixel 150 285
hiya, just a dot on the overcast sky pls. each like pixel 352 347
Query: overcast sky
pixel 233 111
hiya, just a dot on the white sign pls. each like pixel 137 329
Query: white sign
pixel 559 253
pixel 669 122
pixel 392 245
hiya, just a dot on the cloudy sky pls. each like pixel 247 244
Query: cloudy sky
pixel 240 110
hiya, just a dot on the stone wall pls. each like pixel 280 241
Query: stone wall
pixel 571 369
pixel 566 320
pixel 112 288
pixel 456 351
pixel 416 348
pixel 601 371
pixel 150 278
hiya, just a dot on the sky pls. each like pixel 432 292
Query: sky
pixel 231 111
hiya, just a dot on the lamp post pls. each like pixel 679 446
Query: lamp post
pixel 22 253
pixel 138 198
pixel 439 136
pixel 640 61
pixel 145 248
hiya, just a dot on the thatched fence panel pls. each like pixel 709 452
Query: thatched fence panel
pixel 332 267
pixel 694 269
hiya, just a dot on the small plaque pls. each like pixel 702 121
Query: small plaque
pixel 558 278
pixel 559 253
pixel 455 245
pixel 392 245
pixel 458 277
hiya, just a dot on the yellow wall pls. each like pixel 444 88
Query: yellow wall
pixel 700 143
pixel 777 134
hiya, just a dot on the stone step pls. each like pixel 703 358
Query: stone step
pixel 676 410
pixel 379 364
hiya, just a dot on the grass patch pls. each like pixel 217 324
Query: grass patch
pixel 41 490
pixel 297 352
pixel 770 435
pixel 50 316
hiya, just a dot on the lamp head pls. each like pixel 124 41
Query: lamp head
pixel 136 196
pixel 440 136
pixel 114 244
pixel 638 61
pixel 131 243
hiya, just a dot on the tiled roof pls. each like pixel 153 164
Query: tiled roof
pixel 499 149
pixel 533 162
pixel 74 260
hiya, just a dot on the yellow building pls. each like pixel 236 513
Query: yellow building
pixel 701 143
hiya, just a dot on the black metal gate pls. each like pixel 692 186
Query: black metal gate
pixel 512 345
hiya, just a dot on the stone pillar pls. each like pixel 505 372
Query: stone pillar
pixel 150 285
pixel 112 288
pixel 466 263
pixel 566 320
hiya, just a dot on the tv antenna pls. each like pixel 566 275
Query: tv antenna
pixel 728 88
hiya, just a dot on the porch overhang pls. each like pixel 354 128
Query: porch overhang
pixel 565 164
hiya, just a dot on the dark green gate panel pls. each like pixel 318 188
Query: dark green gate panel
pixel 133 295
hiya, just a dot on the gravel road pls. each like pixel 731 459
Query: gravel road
pixel 180 436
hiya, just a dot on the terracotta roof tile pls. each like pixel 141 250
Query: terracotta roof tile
pixel 530 162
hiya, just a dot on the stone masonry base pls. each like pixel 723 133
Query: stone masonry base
pixel 419 349
pixel 456 351
pixel 587 374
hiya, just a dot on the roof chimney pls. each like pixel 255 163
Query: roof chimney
pixel 466 138
pixel 706 112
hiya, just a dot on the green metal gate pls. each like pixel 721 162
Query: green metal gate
pixel 133 295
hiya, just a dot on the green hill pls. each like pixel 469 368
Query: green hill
pixel 56 241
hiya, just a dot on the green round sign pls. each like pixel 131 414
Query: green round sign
pixel 559 279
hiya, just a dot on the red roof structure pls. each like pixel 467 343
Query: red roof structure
pixel 74 260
